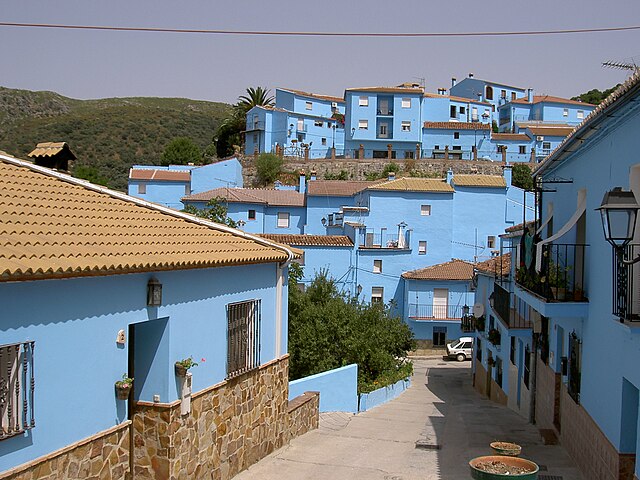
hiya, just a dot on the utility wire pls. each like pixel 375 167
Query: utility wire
pixel 320 34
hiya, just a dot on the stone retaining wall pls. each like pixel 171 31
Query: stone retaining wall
pixel 547 396
pixel 104 456
pixel 303 414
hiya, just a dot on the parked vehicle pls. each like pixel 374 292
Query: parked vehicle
pixel 461 349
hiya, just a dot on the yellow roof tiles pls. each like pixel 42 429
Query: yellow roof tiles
pixel 55 226
pixel 48 149
pixel 491 181
pixel 415 185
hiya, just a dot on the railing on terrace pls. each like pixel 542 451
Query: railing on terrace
pixel 561 277
pixel 626 278
pixel 468 324
pixel 17 384
pixel 382 239
pixel 511 312
pixel 434 312
pixel 335 219
pixel 388 111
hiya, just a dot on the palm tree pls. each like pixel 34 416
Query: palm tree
pixel 255 97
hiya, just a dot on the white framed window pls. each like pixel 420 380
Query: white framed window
pixel 300 124
pixel 363 101
pixel 491 241
pixel 580 114
pixel 308 105
pixel 363 124
pixel 406 103
pixel 422 247
pixel 425 210
pixel 323 141
pixel 406 126
pixel 546 145
pixel 377 266
pixel 319 123
pixel 283 219
pixel 522 149
pixel 142 188
pixel 565 112
pixel 383 129
pixel 377 295
pixel 503 94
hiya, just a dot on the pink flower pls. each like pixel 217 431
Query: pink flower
pixel 202 360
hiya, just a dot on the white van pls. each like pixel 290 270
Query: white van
pixel 461 349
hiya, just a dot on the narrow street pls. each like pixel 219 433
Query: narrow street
pixel 428 433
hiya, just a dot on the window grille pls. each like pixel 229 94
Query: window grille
pixel 574 367
pixel 17 384
pixel 243 337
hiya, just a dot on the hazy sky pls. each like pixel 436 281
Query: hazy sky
pixel 96 64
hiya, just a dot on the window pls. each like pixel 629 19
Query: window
pixel 142 188
pixel 425 209
pixel 406 103
pixel 256 121
pixel 406 126
pixel 479 350
pixel 251 215
pixel 580 114
pixel 491 241
pixel 319 123
pixel 436 147
pixel 422 247
pixel 512 351
pixel 17 382
pixel 363 101
pixel 408 154
pixel 463 110
pixel 323 141
pixel 377 294
pixel 499 148
pixel 565 112
pixel 546 145
pixel 452 111
pixel 503 94
pixel 377 266
pixel 363 124
pixel 513 96
pixel 283 219
pixel 489 93
pixel 187 190
pixel 383 130
pixel 308 105
pixel 522 149
pixel 499 371
pixel 243 337
pixel 300 124
pixel 439 336
pixel 456 135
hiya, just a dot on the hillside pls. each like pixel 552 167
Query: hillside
pixel 108 134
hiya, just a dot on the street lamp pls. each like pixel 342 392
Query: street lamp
pixel 619 210
pixel 333 139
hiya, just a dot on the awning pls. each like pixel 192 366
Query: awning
pixel 582 206
pixel 549 216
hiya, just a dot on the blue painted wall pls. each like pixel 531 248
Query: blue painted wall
pixel 338 389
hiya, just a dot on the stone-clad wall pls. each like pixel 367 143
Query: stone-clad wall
pixel 545 396
pixel 103 456
pixel 589 447
pixel 480 379
pixel 304 414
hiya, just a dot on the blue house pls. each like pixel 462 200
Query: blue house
pixel 496 94
pixel 97 285
pixel 579 295
pixel 167 185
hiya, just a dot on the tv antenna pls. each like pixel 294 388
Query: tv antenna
pixel 631 66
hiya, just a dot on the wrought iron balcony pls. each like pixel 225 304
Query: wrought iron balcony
pixel 561 276
pixel 335 219
pixel 382 239
pixel 511 312
pixel 418 311
pixel 626 278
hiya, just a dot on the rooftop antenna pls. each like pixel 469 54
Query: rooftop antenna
pixel 621 65
pixel 423 81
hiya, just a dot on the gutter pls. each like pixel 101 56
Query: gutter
pixel 154 206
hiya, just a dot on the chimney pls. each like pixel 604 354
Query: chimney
pixel 470 74
pixel 313 174
pixel 302 185
pixel 453 81
pixel 507 173
pixel 530 95
pixel 449 176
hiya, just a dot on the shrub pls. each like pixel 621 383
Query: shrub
pixel 268 166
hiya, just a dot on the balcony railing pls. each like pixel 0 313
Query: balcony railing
pixel 335 219
pixel 561 277
pixel 385 111
pixel 382 239
pixel 420 311
pixel 17 385
pixel 626 297
pixel 505 305
pixel 468 324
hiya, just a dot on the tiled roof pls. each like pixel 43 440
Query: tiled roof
pixel 628 89
pixel 49 149
pixel 159 175
pixel 511 137
pixel 337 188
pixel 309 240
pixel 550 131
pixel 457 125
pixel 415 185
pixel 418 90
pixel 328 98
pixel 519 227
pixel 463 180
pixel 56 226
pixel 500 265
pixel 453 270
pixel 551 99
pixel 288 198
pixel 456 99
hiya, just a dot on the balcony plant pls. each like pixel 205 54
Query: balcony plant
pixel 558 278
pixel 123 387
pixel 182 366
pixel 494 336
pixel 480 323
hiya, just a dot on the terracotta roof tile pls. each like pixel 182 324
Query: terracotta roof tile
pixel 511 137
pixel 519 227
pixel 56 226
pixel 550 99
pixel 550 131
pixel 288 198
pixel 498 265
pixel 328 98
pixel 418 90
pixel 337 188
pixel 309 240
pixel 453 270
pixel 496 181
pixel 49 149
pixel 457 125
pixel 159 175
pixel 411 184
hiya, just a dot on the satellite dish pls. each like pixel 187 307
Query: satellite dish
pixel 478 310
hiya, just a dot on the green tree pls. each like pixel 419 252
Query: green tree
pixel 90 174
pixel 215 211
pixel 181 151
pixel 268 166
pixel 595 96
pixel 521 176
pixel 255 97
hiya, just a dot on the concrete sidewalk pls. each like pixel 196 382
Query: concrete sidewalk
pixel 430 432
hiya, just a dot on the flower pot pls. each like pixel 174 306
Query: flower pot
pixel 506 448
pixel 495 467
pixel 181 370
pixel 559 293
pixel 122 391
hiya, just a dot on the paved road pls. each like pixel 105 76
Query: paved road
pixel 440 409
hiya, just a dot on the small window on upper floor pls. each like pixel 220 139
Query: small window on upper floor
pixel 377 295
pixel 300 124
pixel 406 103
pixel 377 266
pixel 422 247
pixel 283 220
pixel 456 135
pixel 318 123
pixel 363 101
pixel 452 111
pixel 363 124
pixel 405 126
pixel 323 140
pixel 491 241
pixel 425 210
pixel 251 215
pixel 503 94
pixel 463 110
pixel 546 145
pixel 187 189
pixel 489 93
pixel 565 112
pixel 308 105
pixel 142 188
pixel 580 114
pixel 522 149
pixel 513 96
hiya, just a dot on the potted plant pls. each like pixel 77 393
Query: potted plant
pixel 507 449
pixel 182 366
pixel 123 387
pixel 558 279
pixel 480 323
pixel 494 336
pixel 494 467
